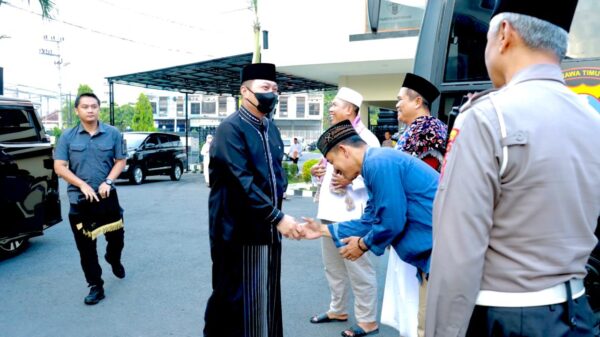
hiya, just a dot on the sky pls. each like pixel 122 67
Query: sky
pixel 114 37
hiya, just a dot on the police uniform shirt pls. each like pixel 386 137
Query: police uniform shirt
pixel 530 228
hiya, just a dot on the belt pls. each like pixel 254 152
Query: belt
pixel 552 295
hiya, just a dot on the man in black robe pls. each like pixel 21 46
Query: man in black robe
pixel 246 222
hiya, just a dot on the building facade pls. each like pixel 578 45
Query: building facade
pixel 297 115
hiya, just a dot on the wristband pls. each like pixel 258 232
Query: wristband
pixel 359 247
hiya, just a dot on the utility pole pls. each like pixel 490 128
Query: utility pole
pixel 58 62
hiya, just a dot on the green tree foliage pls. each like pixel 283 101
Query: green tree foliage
pixel 306 169
pixel 84 89
pixel 142 116
pixel 46 6
pixel 69 117
pixel 123 116
pixel 328 97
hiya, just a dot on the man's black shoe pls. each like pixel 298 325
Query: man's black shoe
pixel 117 268
pixel 95 296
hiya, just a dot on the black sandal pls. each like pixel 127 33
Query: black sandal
pixel 357 331
pixel 324 318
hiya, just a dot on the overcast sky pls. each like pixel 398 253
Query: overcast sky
pixel 114 37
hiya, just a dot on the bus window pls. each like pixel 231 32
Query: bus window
pixel 584 40
pixel 581 68
pixel 467 40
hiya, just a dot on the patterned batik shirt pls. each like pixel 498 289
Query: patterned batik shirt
pixel 425 136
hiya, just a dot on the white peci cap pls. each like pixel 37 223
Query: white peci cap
pixel 349 96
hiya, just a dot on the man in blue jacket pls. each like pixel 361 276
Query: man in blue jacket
pixel 398 213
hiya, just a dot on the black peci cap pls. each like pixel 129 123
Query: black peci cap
pixel 258 71
pixel 335 134
pixel 559 13
pixel 422 86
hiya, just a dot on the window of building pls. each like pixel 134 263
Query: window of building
pixel 283 106
pixel 163 103
pixel 153 105
pixel 179 106
pixel 395 16
pixel 222 105
pixel 300 106
pixel 392 19
pixel 195 108
pixel 209 106
pixel 314 109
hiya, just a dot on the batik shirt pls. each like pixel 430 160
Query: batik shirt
pixel 425 136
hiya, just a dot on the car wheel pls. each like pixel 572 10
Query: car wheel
pixel 176 172
pixel 592 284
pixel 13 247
pixel 137 175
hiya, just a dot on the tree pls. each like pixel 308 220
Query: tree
pixel 142 116
pixel 47 6
pixel 328 97
pixel 123 116
pixel 68 108
pixel 84 89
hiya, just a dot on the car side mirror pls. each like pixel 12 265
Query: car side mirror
pixel 150 146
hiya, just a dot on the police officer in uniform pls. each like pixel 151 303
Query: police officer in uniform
pixel 519 195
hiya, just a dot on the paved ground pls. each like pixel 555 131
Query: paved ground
pixel 168 273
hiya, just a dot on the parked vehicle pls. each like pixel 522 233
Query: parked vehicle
pixel 153 153
pixel 29 197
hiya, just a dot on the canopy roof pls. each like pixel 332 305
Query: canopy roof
pixel 217 76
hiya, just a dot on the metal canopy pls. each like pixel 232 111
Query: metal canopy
pixel 217 76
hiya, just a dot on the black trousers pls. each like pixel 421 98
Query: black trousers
pixel 87 248
pixel 541 321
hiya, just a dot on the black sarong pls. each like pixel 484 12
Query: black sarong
pixel 246 291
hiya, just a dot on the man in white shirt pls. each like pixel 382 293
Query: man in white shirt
pixel 341 200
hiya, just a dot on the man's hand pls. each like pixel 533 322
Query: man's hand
pixel 288 227
pixel 104 190
pixel 88 192
pixel 338 181
pixel 318 170
pixel 310 229
pixel 351 251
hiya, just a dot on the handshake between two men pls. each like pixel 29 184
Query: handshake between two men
pixel 311 229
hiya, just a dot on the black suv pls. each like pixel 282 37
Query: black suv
pixel 29 197
pixel 153 153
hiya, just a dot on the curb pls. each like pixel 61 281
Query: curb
pixel 300 193
pixel 300 190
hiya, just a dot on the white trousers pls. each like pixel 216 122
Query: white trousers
pixel 205 170
pixel 342 274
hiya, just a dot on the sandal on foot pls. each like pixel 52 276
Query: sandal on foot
pixel 357 331
pixel 324 318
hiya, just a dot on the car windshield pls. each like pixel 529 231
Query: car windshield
pixel 134 140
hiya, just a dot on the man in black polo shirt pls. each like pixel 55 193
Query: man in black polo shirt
pixel 89 157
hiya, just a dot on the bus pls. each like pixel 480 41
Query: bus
pixel 450 53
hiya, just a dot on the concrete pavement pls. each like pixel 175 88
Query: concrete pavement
pixel 168 281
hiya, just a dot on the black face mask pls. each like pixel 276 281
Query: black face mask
pixel 266 101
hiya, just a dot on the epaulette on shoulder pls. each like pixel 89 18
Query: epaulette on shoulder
pixel 477 96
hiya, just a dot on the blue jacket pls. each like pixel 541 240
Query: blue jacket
pixel 398 213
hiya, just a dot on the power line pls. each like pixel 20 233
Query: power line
pixel 178 23
pixel 95 31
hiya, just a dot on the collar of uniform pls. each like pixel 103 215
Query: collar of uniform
pixel 551 72
pixel 101 128
pixel 247 115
